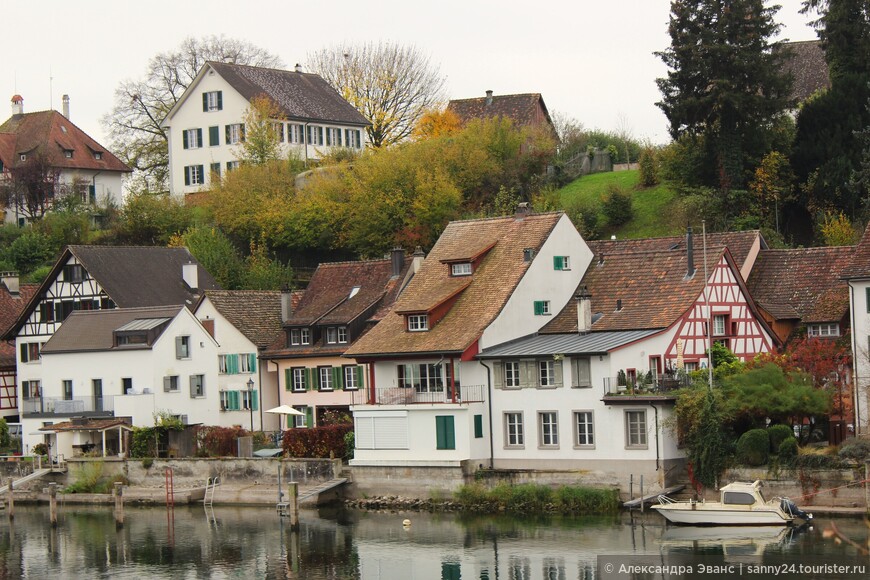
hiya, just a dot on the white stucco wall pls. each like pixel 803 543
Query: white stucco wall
pixel 108 185
pixel 542 282
pixel 191 116
pixel 860 310
pixel 146 368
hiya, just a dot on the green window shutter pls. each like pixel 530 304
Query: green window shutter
pixel 233 400
pixel 309 417
pixel 205 102
pixel 184 142
pixel 338 378
pixel 360 376
pixel 254 401
pixel 252 362
pixel 557 262
pixel 214 137
pixel 445 437
pixel 199 137
pixel 539 307
pixel 233 364
pixel 242 133
pixel 220 100
pixel 216 169
pixel 288 380
pixel 187 176
pixel 868 299
pixel 478 426
pixel 227 135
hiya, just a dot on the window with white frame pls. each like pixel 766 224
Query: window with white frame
pixel 223 364
pixel 194 175
pixel 690 366
pixel 331 335
pixel 232 165
pixel 305 336
pixel 548 428
pixel 561 263
pixel 30 389
pixel 635 429
pixel 512 374
pixel 170 384
pixel 542 308
pixel 212 101
pixel 324 375
pixel 513 426
pixel 719 324
pixel 182 347
pixel 247 362
pixel 295 337
pixel 461 269
pixel 830 329
pixel 584 429
pixel 342 335
pixel 300 420
pixel 248 398
pixel 547 373
pixel 234 133
pixel 67 389
pixel 192 139
pixel 418 322
pixel 299 382
pixel 424 378
pixel 225 400
pixel 30 352
pixel 351 377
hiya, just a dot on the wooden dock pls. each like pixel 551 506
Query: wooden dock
pixel 653 497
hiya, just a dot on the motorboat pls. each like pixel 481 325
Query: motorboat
pixel 741 504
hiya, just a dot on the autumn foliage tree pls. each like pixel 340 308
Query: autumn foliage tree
pixel 32 187
pixel 261 143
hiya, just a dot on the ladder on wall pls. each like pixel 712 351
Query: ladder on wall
pixel 210 484
pixel 170 487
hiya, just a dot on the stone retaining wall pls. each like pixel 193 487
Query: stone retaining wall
pixel 806 487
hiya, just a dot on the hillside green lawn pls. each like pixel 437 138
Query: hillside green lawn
pixel 654 207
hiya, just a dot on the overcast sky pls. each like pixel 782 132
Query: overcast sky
pixel 590 59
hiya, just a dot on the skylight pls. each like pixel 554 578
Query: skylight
pixel 353 292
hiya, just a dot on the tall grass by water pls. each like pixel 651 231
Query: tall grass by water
pixel 530 497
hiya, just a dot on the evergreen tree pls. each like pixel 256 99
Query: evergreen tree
pixel 726 85
pixel 827 150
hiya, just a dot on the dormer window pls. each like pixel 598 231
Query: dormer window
pixel 331 335
pixel 23 157
pixel 831 329
pixel 460 269
pixel 418 322
pixel 342 335
pixel 98 155
pixel 67 153
pixel 299 336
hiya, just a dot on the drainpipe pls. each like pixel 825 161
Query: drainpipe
pixel 656 411
pixel 94 183
pixel 856 400
pixel 489 401
pixel 260 382
pixel 305 142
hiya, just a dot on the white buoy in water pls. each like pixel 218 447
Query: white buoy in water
pixel 407 523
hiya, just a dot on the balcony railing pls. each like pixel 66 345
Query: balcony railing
pixel 74 406
pixel 642 386
pixel 413 396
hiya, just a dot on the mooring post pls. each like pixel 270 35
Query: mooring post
pixel 10 500
pixel 630 486
pixel 52 503
pixel 293 506
pixel 119 504
pixel 641 493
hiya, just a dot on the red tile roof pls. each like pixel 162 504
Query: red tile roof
pixel 255 313
pixel 860 266
pixel 88 425
pixel 807 279
pixel 492 283
pixel 10 307
pixel 525 109
pixel 52 134
pixel 651 287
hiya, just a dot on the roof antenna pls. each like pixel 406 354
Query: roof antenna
pixel 50 90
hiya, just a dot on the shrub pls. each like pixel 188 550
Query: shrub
pixel 788 450
pixel 616 206
pixel 855 450
pixel 753 447
pixel 537 498
pixel 349 444
pixel 147 462
pixel 4 434
pixel 213 441
pixel 39 449
pixel 649 174
pixel 778 434
pixel 317 441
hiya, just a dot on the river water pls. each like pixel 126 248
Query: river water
pixel 254 542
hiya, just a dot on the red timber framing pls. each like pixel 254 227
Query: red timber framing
pixel 8 389
pixel 743 333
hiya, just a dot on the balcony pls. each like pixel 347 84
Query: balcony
pixel 661 388
pixel 412 396
pixel 58 406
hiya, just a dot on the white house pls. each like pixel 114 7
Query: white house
pixel 83 166
pixel 87 278
pixel 485 282
pixel 592 390
pixel 127 362
pixel 244 323
pixel 858 278
pixel 206 125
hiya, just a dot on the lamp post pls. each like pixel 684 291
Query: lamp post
pixel 251 401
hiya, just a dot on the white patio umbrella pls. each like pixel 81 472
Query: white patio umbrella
pixel 285 410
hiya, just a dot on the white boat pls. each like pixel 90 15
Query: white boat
pixel 741 504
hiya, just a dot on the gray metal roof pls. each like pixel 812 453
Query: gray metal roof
pixel 143 324
pixel 549 344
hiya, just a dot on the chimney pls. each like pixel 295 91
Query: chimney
pixel 418 257
pixel 190 275
pixel 286 303
pixel 398 260
pixel 10 281
pixel 523 209
pixel 488 98
pixel 17 105
pixel 66 106
pixel 298 68
pixel 584 311
pixel 618 304
pixel 690 254
pixel 600 258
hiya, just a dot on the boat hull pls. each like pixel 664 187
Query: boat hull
pixel 701 515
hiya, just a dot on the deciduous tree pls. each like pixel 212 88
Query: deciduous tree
pixel 390 84
pixel 32 187
pixel 133 125
pixel 262 141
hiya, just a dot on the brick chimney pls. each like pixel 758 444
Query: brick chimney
pixel 17 105
pixel 66 106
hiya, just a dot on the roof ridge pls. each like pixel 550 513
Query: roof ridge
pixel 497 96
pixel 343 262
pixel 234 64
pixel 506 217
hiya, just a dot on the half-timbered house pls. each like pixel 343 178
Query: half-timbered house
pixel 13 298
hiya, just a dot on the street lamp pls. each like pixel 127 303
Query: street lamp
pixel 251 401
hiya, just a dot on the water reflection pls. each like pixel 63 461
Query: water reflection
pixel 226 542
